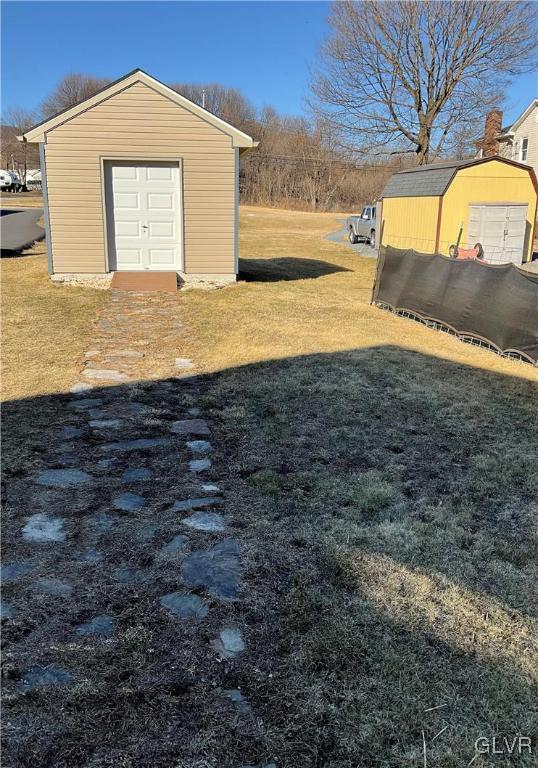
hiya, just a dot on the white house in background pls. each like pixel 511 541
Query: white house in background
pixel 518 141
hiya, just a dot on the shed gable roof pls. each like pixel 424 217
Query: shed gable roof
pixel 433 180
pixel 38 132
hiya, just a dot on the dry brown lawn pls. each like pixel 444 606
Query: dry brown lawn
pixel 32 199
pixel 381 477
pixel 45 327
pixel 386 477
pixel 303 295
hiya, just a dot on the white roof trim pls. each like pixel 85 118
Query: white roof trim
pixel 515 125
pixel 37 134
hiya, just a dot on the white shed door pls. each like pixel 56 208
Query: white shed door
pixel 143 201
pixel 501 231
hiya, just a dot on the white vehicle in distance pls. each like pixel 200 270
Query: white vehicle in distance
pixel 10 181
pixel 363 227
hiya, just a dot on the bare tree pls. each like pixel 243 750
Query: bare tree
pixel 17 154
pixel 403 74
pixel 227 103
pixel 71 90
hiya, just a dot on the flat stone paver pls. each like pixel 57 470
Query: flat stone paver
pixel 68 433
pixel 185 606
pixel 68 459
pixel 229 643
pixel 259 765
pixel 101 626
pixel 130 353
pixel 199 465
pixel 105 424
pixel 174 546
pixel 86 403
pixel 105 374
pixel 210 488
pixel 139 444
pixel 107 463
pixel 235 696
pixel 63 478
pixel 205 521
pixel 190 427
pixel 89 556
pixel 81 387
pixel 52 587
pixel 199 446
pixel 204 501
pixel 137 474
pixel 6 610
pixel 134 409
pixel 10 572
pixel 216 569
pixel 184 363
pixel 42 528
pixel 45 677
pixel 128 502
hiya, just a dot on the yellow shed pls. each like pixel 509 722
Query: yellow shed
pixel 137 178
pixel 491 201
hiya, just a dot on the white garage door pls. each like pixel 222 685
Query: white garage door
pixel 500 229
pixel 143 201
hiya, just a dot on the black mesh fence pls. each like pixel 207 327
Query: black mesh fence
pixel 494 305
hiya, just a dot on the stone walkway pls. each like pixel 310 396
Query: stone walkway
pixel 124 533
pixel 137 336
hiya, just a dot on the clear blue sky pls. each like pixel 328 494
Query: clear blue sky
pixel 262 48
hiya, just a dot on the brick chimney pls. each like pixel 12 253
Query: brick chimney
pixel 490 143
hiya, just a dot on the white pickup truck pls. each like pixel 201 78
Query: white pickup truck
pixel 363 227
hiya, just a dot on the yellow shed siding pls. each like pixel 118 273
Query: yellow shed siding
pixel 140 124
pixel 485 183
pixel 410 222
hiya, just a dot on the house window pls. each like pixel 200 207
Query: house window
pixel 523 150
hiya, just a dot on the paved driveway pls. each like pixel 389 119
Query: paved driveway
pixel 361 248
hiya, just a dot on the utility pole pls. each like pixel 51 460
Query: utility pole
pixel 203 97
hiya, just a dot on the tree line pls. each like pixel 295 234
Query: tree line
pixel 396 84
pixel 296 165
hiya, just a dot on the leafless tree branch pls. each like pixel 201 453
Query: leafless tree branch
pixel 406 74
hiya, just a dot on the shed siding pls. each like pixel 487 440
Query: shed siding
pixel 139 124
pixel 410 222
pixel 486 183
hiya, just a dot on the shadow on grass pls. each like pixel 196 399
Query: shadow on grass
pixel 383 500
pixel 277 270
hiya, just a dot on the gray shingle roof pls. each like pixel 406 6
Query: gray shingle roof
pixel 424 180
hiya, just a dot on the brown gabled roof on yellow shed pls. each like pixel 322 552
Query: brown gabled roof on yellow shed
pixel 433 180
pixel 38 133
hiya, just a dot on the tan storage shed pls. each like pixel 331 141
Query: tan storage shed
pixel 139 178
